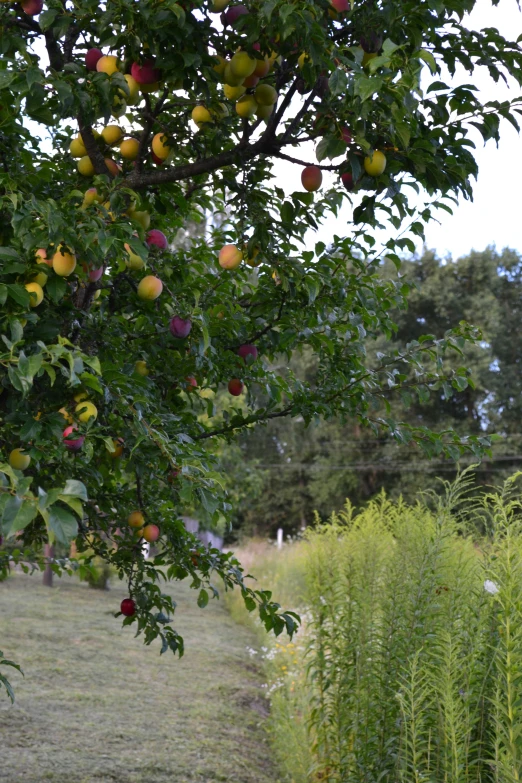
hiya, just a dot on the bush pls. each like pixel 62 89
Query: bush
pixel 410 664
pixel 97 573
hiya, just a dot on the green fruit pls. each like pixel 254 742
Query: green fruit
pixel 265 95
pixel 246 106
pixel 230 78
pixel 242 65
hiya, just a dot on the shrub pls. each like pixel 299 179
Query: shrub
pixel 97 573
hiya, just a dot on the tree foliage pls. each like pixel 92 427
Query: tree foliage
pixel 365 85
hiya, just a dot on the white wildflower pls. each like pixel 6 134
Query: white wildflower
pixel 490 587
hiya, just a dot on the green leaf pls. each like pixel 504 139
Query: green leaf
pixel 30 430
pixel 73 503
pixel 62 524
pixel 403 132
pixel 389 47
pixel 91 382
pixel 7 470
pixel 321 149
pixel 94 363
pixel 75 488
pixel 337 82
pixel 17 380
pixel 47 18
pixel 34 364
pixel 33 76
pixel 18 513
pixel 202 598
pixel 313 287
pixel 209 501
pixel 7 685
pixel 7 78
pixel 205 342
pixel 460 382
pixel 250 603
pixel 287 212
pixel 429 59
pixel 56 288
pixel 19 294
pixel 366 86
pixel 51 372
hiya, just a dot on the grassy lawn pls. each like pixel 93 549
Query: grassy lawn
pixel 97 706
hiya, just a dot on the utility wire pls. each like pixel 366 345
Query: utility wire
pixel 395 467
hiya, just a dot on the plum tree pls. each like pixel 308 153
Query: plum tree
pixel 210 105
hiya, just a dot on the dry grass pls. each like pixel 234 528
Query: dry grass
pixel 96 706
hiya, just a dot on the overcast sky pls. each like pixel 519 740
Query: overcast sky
pixel 495 215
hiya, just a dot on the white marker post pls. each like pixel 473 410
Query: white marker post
pixel 280 538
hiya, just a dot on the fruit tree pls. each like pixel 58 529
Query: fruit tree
pixel 126 359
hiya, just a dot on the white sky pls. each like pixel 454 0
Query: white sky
pixel 494 217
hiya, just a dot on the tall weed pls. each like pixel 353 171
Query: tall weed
pixel 409 667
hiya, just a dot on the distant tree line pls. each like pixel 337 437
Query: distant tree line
pixel 281 474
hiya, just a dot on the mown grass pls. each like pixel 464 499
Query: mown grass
pixel 97 706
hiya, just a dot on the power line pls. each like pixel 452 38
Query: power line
pixel 395 467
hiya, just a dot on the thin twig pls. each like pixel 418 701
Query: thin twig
pixel 304 163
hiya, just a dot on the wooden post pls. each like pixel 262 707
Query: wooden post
pixel 48 573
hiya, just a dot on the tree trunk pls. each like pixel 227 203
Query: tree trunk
pixel 48 573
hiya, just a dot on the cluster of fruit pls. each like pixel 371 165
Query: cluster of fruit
pixel 63 262
pixel 137 523
pixel 143 78
pixel 85 411
pixel 241 73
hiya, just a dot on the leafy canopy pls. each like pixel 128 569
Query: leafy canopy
pixel 364 84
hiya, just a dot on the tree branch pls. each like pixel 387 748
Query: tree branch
pixel 56 58
pixel 250 420
pixel 290 408
pixel 302 111
pixel 71 36
pixel 276 117
pixel 150 115
pixel 303 163
pixel 238 154
pixel 96 156
pixel 267 328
